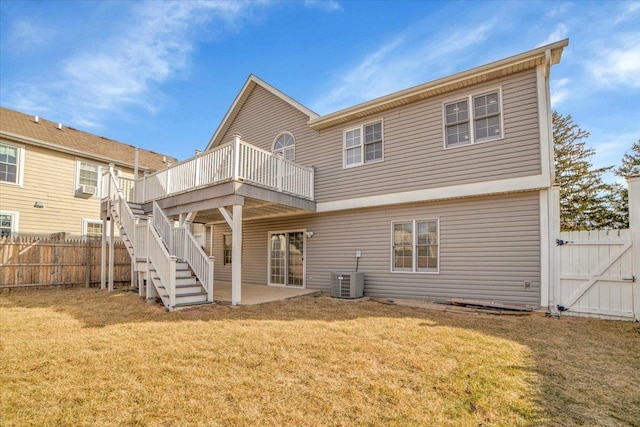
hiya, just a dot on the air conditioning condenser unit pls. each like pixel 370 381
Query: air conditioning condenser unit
pixel 347 284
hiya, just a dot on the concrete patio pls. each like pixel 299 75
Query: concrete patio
pixel 258 294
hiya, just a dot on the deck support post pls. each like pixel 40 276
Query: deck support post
pixel 103 253
pixel 234 220
pixel 111 252
pixel 236 256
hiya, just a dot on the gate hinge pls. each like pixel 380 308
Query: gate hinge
pixel 632 278
pixel 560 242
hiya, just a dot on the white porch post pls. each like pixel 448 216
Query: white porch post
pixel 111 251
pixel 103 254
pixel 555 292
pixel 634 225
pixel 234 220
pixel 236 256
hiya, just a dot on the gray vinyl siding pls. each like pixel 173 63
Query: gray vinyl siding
pixel 489 247
pixel 264 116
pixel 414 154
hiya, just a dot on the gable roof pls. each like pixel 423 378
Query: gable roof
pixel 23 128
pixel 242 97
pixel 548 55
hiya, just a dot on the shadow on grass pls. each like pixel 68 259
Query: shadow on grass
pixel 587 371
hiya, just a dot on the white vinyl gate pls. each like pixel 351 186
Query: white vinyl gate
pixel 596 274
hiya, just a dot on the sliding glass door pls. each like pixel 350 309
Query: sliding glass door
pixel 286 259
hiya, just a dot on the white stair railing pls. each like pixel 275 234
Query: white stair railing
pixel 164 227
pixel 163 263
pixel 200 263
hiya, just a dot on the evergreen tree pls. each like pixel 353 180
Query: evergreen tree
pixel 585 198
pixel 620 205
pixel 630 162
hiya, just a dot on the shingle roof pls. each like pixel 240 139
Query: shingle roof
pixel 14 123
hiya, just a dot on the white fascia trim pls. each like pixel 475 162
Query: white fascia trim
pixel 536 182
pixel 544 121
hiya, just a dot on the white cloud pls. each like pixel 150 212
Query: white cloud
pixel 408 59
pixel 328 5
pixel 28 35
pixel 555 10
pixel 559 91
pixel 127 68
pixel 619 66
pixel 631 8
pixel 560 32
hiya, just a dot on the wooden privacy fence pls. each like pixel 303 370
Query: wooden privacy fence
pixel 35 262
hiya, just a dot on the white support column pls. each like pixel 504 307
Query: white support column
pixel 103 254
pixel 634 225
pixel 555 291
pixel 111 252
pixel 236 256
pixel 136 160
pixel 134 274
pixel 545 248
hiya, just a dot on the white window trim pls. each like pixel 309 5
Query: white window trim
pixel 101 170
pixel 414 252
pixel 362 144
pixel 87 221
pixel 304 261
pixel 15 222
pixel 273 144
pixel 20 173
pixel 472 129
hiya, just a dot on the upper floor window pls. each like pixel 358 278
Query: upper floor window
pixel 10 164
pixel 363 144
pixel 87 178
pixel 8 224
pixel 483 122
pixel 285 144
pixel 415 246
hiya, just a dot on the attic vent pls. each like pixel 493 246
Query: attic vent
pixel 59 126
pixel 36 119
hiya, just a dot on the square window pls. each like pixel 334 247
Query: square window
pixel 485 116
pixel 415 246
pixel 363 144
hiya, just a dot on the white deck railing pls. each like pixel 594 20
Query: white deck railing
pixel 236 160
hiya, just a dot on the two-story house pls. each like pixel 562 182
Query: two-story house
pixel 50 175
pixel 438 191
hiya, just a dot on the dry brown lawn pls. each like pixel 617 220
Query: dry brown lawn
pixel 87 357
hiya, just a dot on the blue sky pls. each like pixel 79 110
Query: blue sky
pixel 161 75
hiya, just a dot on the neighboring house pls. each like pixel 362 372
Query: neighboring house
pixel 438 191
pixel 50 175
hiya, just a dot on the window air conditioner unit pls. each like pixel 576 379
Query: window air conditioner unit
pixel 88 189
pixel 347 284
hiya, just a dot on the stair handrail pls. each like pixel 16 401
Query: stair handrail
pixel 125 214
pixel 163 263
pixel 201 264
pixel 163 227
